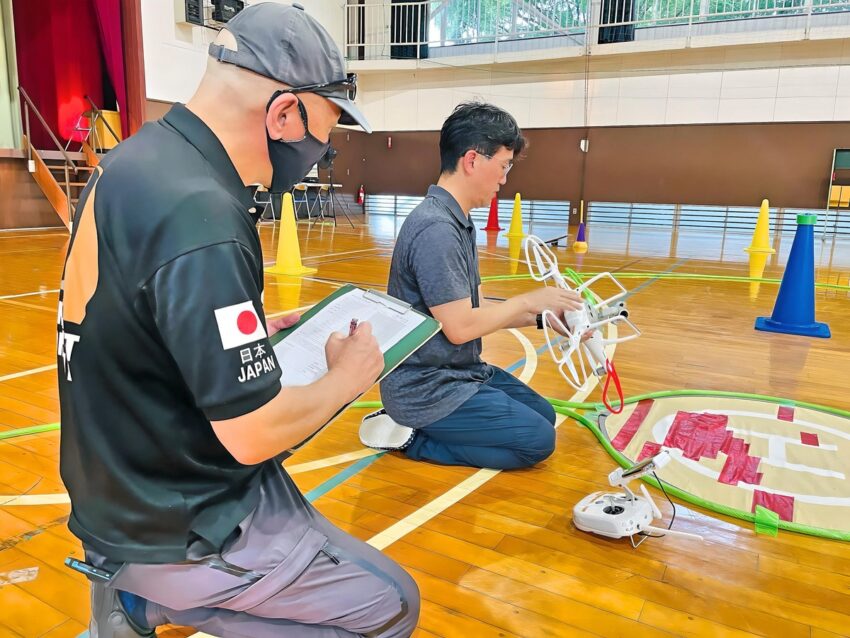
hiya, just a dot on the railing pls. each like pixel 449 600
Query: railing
pixel 29 104
pixel 735 219
pixel 99 114
pixel 69 164
pixel 377 29
pixel 731 218
pixel 540 212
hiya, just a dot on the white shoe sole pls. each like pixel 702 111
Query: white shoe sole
pixel 380 432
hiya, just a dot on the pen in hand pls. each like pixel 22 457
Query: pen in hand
pixel 352 327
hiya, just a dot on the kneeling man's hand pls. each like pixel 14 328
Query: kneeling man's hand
pixel 557 300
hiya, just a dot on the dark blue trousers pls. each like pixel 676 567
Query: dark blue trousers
pixel 505 425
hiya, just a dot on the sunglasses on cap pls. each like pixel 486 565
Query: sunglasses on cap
pixel 348 85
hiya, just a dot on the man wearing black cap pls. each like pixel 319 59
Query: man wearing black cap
pixel 171 455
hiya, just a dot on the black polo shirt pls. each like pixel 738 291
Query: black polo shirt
pixel 161 330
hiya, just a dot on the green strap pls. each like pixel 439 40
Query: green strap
pixel 767 521
pixel 35 429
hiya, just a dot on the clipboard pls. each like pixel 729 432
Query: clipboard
pixel 393 357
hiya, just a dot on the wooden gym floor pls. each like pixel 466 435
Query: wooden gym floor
pixel 495 554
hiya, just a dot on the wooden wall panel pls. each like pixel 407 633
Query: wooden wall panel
pixel 724 164
pixel 22 204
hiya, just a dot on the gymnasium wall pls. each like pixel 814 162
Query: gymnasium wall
pixel 779 82
pixel 722 164
pixel 176 54
pixel 725 126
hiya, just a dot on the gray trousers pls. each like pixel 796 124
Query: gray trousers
pixel 288 572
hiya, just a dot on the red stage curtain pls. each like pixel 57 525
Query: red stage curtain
pixel 108 14
pixel 59 62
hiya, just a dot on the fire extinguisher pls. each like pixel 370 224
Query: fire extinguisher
pixel 361 195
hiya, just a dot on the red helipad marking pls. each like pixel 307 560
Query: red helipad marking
pixel 698 435
pixel 782 505
pixel 785 413
pixel 649 449
pixel 808 438
pixel 741 467
pixel 630 428
pixel 702 436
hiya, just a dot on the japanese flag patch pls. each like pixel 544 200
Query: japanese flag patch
pixel 239 324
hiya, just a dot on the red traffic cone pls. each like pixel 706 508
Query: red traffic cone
pixel 493 219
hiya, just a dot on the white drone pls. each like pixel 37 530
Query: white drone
pixel 576 357
pixel 620 514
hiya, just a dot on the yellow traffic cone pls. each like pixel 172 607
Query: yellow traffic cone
pixel 516 219
pixel 758 261
pixel 288 252
pixel 761 236
pixel 514 249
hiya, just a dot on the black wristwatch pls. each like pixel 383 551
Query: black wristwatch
pixel 540 322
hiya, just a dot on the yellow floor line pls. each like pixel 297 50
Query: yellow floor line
pixel 443 502
pixel 10 500
pixel 436 507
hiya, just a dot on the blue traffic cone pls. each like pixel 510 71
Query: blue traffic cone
pixel 794 311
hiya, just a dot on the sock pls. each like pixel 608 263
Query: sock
pixel 134 606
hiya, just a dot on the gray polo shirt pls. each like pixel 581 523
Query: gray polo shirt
pixel 435 261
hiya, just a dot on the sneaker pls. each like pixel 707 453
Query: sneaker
pixel 109 619
pixel 379 431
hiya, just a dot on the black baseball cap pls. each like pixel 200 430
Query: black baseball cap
pixel 284 43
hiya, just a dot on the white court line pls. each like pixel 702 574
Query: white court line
pixel 496 255
pixel 348 252
pixel 328 462
pixel 27 294
pixel 322 281
pixel 18 375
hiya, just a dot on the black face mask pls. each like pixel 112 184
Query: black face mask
pixel 291 161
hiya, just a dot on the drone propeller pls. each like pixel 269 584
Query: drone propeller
pixel 576 354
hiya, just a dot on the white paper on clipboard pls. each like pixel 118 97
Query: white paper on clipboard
pixel 302 354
